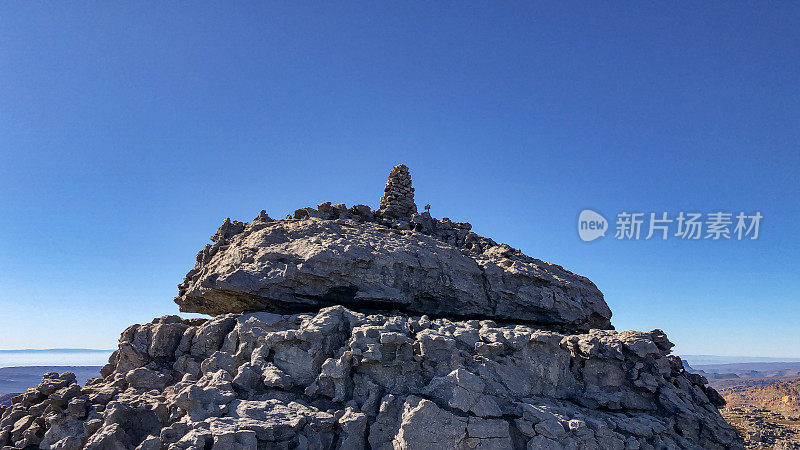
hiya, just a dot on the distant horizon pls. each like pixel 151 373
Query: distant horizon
pixel 15 350
pixel 733 359
pixel 54 357
pixel 748 358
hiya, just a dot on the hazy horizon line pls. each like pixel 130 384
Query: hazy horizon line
pixel 742 357
pixel 20 350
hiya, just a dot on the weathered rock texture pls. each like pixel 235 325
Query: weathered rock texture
pixel 369 261
pixel 385 341
pixel 302 265
pixel 343 379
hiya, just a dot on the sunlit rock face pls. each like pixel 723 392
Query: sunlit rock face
pixel 353 328
pixel 388 259
pixel 343 379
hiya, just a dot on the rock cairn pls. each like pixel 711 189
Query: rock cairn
pixel 344 328
pixel 398 195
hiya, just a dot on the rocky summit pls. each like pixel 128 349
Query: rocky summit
pixel 353 328
pixel 391 259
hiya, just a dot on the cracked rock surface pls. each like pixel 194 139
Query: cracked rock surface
pixel 344 379
pixel 390 259
pixel 301 265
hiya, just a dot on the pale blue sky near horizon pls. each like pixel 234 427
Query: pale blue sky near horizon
pixel 129 131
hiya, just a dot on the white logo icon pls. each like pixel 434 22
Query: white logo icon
pixel 591 225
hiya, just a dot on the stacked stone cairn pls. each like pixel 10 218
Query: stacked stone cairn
pixel 398 195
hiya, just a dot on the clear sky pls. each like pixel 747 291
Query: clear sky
pixel 129 132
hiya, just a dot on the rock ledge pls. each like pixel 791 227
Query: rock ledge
pixel 388 259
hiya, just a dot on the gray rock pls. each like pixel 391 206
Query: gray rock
pixel 208 397
pixel 550 428
pixel 554 375
pixel 448 341
pixel 545 443
pixel 146 379
pixel 289 266
pixel 353 425
pixel 64 433
pixel 393 381
pixel 488 429
pixel 389 259
pixel 166 337
pixel 111 437
pixel 150 443
pixel 426 426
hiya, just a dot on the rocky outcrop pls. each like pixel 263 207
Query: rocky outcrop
pixel 303 265
pixel 343 379
pixel 353 328
pixel 366 260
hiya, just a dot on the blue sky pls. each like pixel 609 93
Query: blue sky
pixel 129 132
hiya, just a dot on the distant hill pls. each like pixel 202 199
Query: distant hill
pixel 762 395
pixel 754 369
pixel 781 397
pixel 699 360
pixel 754 373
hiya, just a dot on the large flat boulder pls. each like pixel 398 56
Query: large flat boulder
pixel 298 265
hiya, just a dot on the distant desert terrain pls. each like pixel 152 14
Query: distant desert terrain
pixel 763 400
